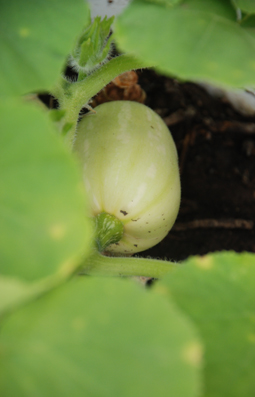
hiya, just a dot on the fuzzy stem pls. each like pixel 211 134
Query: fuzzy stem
pixel 100 265
pixel 72 97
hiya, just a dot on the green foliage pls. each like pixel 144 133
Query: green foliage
pixel 167 3
pixel 92 47
pixel 11 291
pixel 245 5
pixel 193 40
pixel 106 337
pixel 41 199
pixel 36 36
pixel 217 293
pixel 125 342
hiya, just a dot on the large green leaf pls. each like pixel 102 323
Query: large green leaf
pixel 36 37
pixel 193 40
pixel 217 292
pixel 43 225
pixel 245 5
pixel 11 292
pixel 95 337
pixel 167 3
pixel 220 8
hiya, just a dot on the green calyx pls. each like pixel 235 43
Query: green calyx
pixel 93 46
pixel 109 230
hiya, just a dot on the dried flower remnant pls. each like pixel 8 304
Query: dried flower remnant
pixel 124 87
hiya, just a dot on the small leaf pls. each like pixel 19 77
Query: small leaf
pixel 36 39
pixel 43 225
pixel 99 337
pixel 93 46
pixel 217 293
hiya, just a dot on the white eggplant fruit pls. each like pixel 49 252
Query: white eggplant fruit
pixel 130 169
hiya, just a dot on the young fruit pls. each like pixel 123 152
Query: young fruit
pixel 130 169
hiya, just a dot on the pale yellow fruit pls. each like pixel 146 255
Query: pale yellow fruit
pixel 130 169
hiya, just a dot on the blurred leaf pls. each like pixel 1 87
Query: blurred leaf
pixel 11 291
pixel 245 5
pixel 217 292
pixel 36 37
pixel 43 225
pixel 249 22
pixel 194 40
pixel 95 337
pixel 93 46
pixel 221 8
pixel 164 2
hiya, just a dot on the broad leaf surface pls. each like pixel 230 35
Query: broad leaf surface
pixel 166 3
pixel 193 40
pixel 217 292
pixel 11 291
pixel 246 5
pixel 95 337
pixel 249 22
pixel 36 37
pixel 43 225
pixel 221 8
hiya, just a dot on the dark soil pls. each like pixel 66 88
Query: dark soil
pixel 216 147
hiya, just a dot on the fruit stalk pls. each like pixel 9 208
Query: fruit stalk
pixel 100 265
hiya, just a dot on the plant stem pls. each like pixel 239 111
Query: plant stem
pixel 100 265
pixel 109 230
pixel 102 76
pixel 73 96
